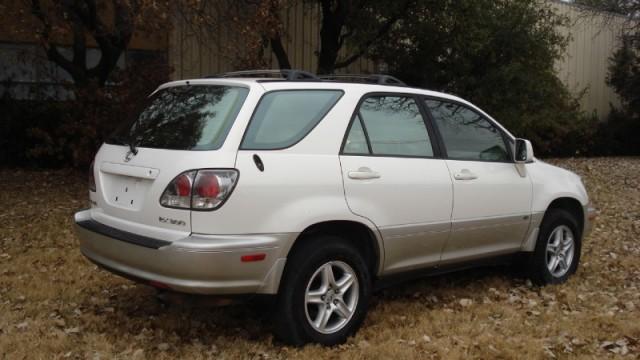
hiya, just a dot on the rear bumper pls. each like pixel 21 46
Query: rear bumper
pixel 197 264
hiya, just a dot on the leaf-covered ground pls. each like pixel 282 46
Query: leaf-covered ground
pixel 55 304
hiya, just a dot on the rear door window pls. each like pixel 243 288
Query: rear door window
pixel 356 143
pixel 283 118
pixel 393 125
pixel 191 117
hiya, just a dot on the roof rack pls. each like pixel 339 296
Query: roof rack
pixel 301 75
pixel 366 78
pixel 287 74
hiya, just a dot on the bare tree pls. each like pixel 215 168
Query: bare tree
pixel 110 24
pixel 363 22
pixel 614 10
pixel 348 28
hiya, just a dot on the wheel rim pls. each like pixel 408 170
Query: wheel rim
pixel 331 297
pixel 560 251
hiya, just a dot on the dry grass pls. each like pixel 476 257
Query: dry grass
pixel 55 304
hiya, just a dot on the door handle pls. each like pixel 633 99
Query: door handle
pixel 363 173
pixel 465 174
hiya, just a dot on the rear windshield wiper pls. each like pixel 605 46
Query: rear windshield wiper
pixel 121 140
pixel 132 146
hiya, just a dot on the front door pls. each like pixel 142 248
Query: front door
pixel 492 201
pixel 392 176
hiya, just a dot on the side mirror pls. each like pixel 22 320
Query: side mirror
pixel 524 151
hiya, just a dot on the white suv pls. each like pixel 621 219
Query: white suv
pixel 319 191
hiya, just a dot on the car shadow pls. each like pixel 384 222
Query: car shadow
pixel 140 311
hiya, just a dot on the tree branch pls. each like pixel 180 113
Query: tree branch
pixel 123 20
pixel 73 11
pixel 51 48
pixel 383 30
pixel 79 46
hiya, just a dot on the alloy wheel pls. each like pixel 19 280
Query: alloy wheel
pixel 560 251
pixel 331 297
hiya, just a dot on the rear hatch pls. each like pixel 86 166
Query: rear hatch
pixel 181 128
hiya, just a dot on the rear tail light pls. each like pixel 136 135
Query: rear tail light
pixel 200 189
pixel 92 179
pixel 183 185
pixel 178 192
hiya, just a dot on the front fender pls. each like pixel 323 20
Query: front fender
pixel 552 182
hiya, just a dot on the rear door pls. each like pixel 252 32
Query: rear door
pixel 392 175
pixel 182 128
pixel 492 201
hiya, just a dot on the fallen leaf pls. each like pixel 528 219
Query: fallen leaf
pixel 73 330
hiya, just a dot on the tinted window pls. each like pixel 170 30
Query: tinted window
pixel 195 117
pixel 284 117
pixel 467 135
pixel 395 126
pixel 356 141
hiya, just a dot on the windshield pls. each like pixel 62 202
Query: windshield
pixel 192 117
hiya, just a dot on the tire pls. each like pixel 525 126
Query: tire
pixel 550 263
pixel 305 272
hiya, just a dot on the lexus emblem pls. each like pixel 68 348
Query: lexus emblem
pixel 129 156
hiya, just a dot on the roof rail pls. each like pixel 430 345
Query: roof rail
pixel 288 74
pixel 380 79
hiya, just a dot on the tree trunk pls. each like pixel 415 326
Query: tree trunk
pixel 328 53
pixel 280 52
pixel 332 24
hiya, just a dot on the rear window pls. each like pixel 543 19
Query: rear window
pixel 285 117
pixel 192 117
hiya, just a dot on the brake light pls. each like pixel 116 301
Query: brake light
pixel 207 185
pixel 183 185
pixel 203 189
pixel 92 179
pixel 178 192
